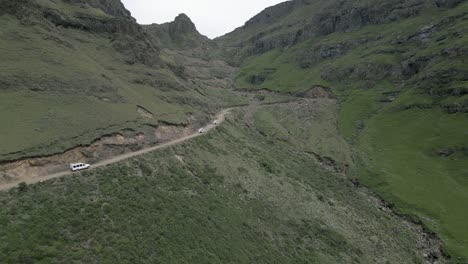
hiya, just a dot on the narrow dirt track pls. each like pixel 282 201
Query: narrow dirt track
pixel 221 117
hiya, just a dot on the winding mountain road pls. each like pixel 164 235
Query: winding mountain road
pixel 221 117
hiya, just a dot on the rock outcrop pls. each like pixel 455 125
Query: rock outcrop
pixel 280 26
pixel 112 7
pixel 129 38
pixel 181 33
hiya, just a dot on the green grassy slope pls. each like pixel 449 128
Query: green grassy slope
pixel 269 185
pixel 62 86
pixel 406 170
pixel 402 88
pixel 230 196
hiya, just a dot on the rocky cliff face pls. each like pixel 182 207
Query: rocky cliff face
pixel 413 49
pixel 16 8
pixel 93 16
pixel 292 22
pixel 182 27
pixel 111 7
pixel 179 34
pixel 197 58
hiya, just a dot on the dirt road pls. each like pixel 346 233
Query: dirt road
pixel 221 117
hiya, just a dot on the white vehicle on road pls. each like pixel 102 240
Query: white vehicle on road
pixel 216 122
pixel 79 166
pixel 201 130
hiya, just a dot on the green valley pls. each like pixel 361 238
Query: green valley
pixel 345 139
pixel 402 88
pixel 231 196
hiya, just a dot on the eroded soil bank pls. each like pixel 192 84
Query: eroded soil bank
pixel 101 149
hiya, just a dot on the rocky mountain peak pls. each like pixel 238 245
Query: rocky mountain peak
pixel 181 32
pixel 183 17
pixel 182 25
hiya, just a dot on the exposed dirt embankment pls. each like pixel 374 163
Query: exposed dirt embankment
pixel 101 149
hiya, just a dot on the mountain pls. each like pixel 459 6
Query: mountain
pixel 179 33
pixel 292 22
pixel 73 71
pixel 200 57
pixel 344 139
pixel 399 71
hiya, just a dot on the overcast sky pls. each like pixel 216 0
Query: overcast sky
pixel 213 18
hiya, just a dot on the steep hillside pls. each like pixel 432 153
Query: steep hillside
pixel 181 33
pixel 73 71
pixel 201 58
pixel 328 96
pixel 295 21
pixel 219 199
pixel 400 71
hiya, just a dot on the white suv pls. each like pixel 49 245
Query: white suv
pixel 79 166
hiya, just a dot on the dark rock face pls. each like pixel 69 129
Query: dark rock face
pixel 447 3
pixel 317 53
pixel 20 8
pixel 261 77
pixel 302 29
pixel 197 59
pixel 423 35
pixel 181 33
pixel 128 37
pixel 257 79
pixel 413 66
pixel 432 80
pixel 181 26
pixel 351 15
pixel 87 23
pixel 111 7
pixel 455 52
pixel 117 24
pixel 272 13
pixel 449 151
pixel 334 16
pixel 366 72
pixel 456 107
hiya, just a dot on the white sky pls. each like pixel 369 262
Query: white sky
pixel 213 18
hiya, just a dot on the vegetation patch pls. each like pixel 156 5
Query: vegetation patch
pixel 237 197
pixel 400 88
